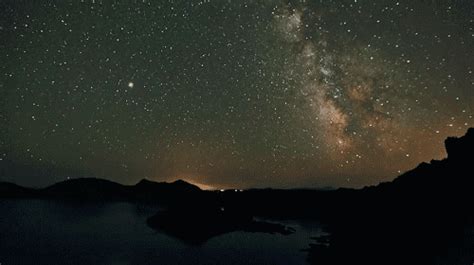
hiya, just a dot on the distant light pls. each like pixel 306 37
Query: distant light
pixel 222 190
pixel 130 84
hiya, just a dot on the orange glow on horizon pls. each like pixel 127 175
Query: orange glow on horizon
pixel 202 186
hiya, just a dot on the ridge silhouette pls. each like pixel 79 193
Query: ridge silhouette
pixel 94 189
pixel 424 216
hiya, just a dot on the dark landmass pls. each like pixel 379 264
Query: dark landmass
pixel 424 216
pixel 197 225
pixel 11 190
pixel 93 189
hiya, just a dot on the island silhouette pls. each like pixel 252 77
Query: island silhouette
pixel 424 216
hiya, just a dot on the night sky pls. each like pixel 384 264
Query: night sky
pixel 229 93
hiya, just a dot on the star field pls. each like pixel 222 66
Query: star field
pixel 232 93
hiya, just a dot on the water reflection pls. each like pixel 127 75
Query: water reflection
pixel 49 232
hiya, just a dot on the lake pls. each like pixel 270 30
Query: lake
pixel 52 232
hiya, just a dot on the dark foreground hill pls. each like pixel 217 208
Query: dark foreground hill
pixel 425 216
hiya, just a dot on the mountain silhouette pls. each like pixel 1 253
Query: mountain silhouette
pixel 86 188
pixel 11 190
pixel 424 216
pixel 94 189
pixel 162 192
pixel 453 172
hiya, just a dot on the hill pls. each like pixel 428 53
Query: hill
pixel 424 216
pixel 94 189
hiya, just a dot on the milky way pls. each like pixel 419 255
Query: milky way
pixel 232 93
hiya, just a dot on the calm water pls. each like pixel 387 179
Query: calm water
pixel 47 232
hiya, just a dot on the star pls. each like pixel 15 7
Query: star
pixel 175 88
